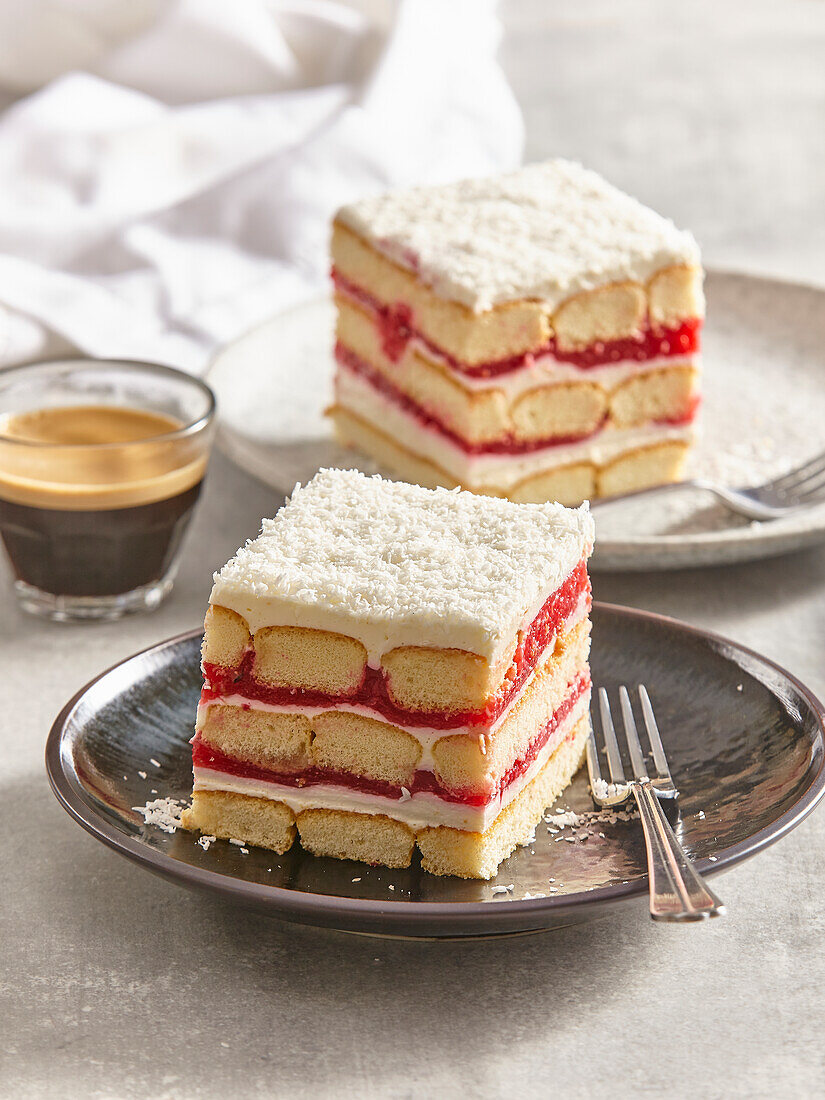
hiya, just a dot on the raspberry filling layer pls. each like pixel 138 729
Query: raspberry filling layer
pixel 396 326
pixel 206 756
pixel 373 693
pixel 507 445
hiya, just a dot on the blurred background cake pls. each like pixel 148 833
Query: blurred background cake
pixel 533 335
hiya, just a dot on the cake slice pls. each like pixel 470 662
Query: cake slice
pixel 533 336
pixel 389 667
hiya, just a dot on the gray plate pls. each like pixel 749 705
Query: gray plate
pixel 751 761
pixel 763 411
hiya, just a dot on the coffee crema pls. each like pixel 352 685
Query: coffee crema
pixel 94 499
pixel 89 457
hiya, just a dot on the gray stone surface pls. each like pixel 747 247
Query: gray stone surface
pixel 115 984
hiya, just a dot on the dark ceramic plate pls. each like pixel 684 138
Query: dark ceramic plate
pixel 744 739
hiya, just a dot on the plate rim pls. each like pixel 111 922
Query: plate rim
pixel 302 907
pixel 661 552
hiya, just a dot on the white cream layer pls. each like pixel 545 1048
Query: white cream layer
pixel 499 471
pixel 426 736
pixel 419 811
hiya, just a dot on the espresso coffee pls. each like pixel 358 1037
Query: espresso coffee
pixel 94 500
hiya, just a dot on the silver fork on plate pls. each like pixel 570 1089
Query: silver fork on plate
pixel 677 890
pixel 802 487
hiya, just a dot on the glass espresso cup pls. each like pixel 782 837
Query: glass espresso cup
pixel 101 464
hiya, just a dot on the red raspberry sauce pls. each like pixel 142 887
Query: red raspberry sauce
pixel 206 756
pixel 372 692
pixel 396 325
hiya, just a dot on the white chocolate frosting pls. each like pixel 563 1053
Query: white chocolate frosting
pixel 546 232
pixel 393 564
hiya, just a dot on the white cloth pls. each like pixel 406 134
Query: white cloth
pixel 171 183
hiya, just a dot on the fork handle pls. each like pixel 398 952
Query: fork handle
pixel 677 890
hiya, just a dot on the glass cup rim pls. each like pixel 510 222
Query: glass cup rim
pixel 140 365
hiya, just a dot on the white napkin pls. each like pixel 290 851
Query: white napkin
pixel 178 190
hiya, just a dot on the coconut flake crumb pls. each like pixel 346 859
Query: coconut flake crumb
pixel 153 761
pixel 356 880
pixel 603 790
pixel 206 842
pixel 712 858
pixel 142 775
pixel 405 795
pixel 740 687
pixel 562 819
pixel 701 815
pixel 163 812
pixel 237 843
pixel 504 889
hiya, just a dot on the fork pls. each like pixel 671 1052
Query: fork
pixel 802 487
pixel 677 890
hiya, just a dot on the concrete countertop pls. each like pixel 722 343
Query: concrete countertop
pixel 118 984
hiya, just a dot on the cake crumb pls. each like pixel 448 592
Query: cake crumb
pixel 163 812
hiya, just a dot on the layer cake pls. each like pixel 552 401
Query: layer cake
pixel 389 667
pixel 533 336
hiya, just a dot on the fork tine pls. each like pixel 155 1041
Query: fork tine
pixel 813 494
pixel 810 484
pixel 798 474
pixel 809 476
pixel 634 747
pixel 593 766
pixel 659 758
pixel 614 757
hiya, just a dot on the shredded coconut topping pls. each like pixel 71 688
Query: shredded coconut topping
pixel 546 231
pixel 394 564
pixel 163 812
